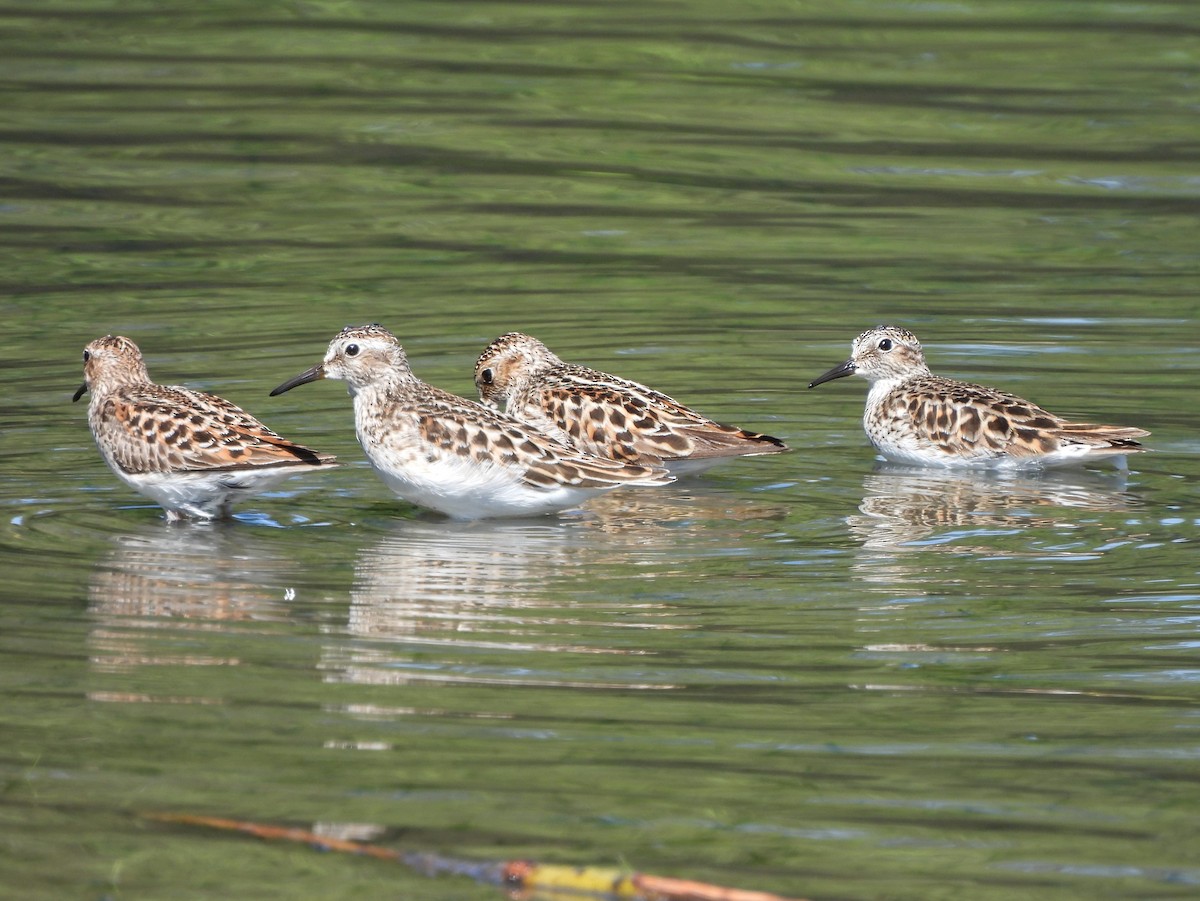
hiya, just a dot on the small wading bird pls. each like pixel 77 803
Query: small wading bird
pixel 192 452
pixel 437 450
pixel 603 414
pixel 913 416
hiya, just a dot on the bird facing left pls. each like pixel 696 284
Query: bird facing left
pixel 194 453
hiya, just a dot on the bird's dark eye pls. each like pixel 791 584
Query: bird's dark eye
pixel 86 356
pixel 487 376
pixel 352 350
pixel 885 344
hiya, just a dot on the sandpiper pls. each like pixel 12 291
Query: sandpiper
pixel 190 451
pixel 440 451
pixel 915 417
pixel 603 414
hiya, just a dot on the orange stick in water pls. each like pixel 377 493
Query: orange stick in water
pixel 523 875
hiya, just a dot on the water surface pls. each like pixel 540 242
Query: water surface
pixel 809 674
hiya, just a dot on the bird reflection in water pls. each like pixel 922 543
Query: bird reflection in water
pixel 495 587
pixel 158 582
pixel 919 508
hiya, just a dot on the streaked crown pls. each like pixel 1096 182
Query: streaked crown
pixel 508 364
pixel 113 361
pixel 364 354
pixel 887 352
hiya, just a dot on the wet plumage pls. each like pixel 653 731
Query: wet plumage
pixel 437 450
pixel 604 414
pixel 914 416
pixel 190 451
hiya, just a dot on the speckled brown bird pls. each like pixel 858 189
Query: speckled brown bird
pixel 437 450
pixel 913 416
pixel 192 452
pixel 604 414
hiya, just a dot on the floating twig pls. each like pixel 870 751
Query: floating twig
pixel 514 875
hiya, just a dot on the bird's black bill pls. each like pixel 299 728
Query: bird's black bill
pixel 80 393
pixel 837 372
pixel 309 375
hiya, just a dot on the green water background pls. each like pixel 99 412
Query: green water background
pixel 798 674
